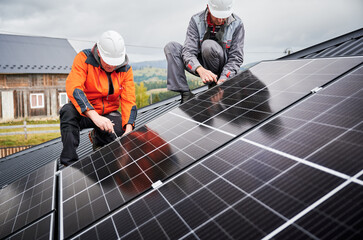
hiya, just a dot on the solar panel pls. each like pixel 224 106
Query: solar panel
pixel 39 230
pixel 252 188
pixel 98 185
pixel 27 200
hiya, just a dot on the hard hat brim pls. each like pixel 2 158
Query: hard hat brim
pixel 112 61
pixel 220 14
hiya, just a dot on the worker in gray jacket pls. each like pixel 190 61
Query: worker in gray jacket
pixel 213 48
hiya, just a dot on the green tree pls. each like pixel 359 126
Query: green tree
pixel 142 98
pixel 155 98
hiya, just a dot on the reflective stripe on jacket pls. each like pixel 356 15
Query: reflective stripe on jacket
pixel 87 87
pixel 233 43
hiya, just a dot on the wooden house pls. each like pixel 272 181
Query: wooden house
pixel 33 71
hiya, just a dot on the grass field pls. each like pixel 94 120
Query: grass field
pixel 32 139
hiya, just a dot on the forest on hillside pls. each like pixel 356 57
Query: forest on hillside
pixel 149 78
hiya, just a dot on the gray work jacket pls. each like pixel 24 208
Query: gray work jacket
pixel 233 42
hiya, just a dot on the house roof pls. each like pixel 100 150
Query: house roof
pixel 350 44
pixel 30 54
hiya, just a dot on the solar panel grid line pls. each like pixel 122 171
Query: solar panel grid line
pixel 297 159
pixel 356 179
pixel 309 209
pixel 201 124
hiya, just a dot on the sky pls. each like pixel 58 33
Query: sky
pixel 271 26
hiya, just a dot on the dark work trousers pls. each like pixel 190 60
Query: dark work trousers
pixel 71 123
pixel 211 58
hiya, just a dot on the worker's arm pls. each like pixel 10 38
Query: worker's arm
pixel 128 128
pixel 75 84
pixel 234 54
pixel 128 100
pixel 191 47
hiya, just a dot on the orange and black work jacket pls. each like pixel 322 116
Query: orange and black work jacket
pixel 88 87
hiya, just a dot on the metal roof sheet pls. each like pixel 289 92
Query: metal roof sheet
pixel 350 44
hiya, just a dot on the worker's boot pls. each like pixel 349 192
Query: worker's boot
pixel 185 96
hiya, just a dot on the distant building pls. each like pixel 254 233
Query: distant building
pixel 33 71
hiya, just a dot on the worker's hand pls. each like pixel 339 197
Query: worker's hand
pixel 206 75
pixel 220 81
pixel 128 128
pixel 101 122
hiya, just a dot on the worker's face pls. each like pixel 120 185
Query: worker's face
pixel 105 66
pixel 217 21
pixel 108 68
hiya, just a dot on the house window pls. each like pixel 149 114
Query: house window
pixel 37 100
pixel 63 99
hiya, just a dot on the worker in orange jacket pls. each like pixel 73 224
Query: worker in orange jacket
pixel 100 81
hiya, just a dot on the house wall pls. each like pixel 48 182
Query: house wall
pixel 21 87
pixel 7 99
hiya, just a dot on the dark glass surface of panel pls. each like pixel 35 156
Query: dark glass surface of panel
pixel 339 217
pixel 39 230
pixel 123 170
pixel 27 199
pixel 325 128
pixel 296 189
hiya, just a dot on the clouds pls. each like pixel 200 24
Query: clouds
pixel 271 26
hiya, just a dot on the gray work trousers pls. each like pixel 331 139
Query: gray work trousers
pixel 211 58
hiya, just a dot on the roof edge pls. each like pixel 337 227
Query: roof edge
pixel 321 46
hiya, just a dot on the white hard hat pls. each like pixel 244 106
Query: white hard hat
pixel 221 8
pixel 112 48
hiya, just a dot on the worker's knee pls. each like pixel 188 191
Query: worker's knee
pixel 69 116
pixel 211 49
pixel 173 48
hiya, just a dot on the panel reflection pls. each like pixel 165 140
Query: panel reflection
pixel 234 106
